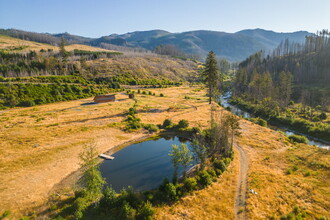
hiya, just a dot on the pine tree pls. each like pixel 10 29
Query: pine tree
pixel 62 47
pixel 211 74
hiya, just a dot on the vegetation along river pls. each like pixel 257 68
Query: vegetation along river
pixel 224 100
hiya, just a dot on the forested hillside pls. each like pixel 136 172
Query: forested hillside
pixel 32 73
pixel 290 86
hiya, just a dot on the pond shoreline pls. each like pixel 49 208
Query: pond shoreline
pixel 73 178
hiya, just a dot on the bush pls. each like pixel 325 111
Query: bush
pixel 212 174
pixel 259 121
pixel 161 95
pixel 108 200
pixel 204 178
pixel 131 111
pixel 307 173
pixel 298 139
pixel 80 204
pixel 170 192
pixel 220 165
pixel 189 185
pixel 146 211
pixel 151 127
pixel 5 214
pixel 323 116
pixel 127 212
pixel 183 124
pixel 167 123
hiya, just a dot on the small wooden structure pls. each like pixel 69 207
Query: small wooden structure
pixel 131 96
pixel 104 98
pixel 107 157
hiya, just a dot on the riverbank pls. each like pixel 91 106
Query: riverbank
pixel 314 130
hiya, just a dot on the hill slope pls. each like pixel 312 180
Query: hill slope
pixel 232 46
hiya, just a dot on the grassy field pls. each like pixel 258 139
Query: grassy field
pixel 40 147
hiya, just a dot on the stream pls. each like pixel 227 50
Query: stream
pixel 239 112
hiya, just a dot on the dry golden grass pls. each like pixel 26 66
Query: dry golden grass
pixel 146 66
pixel 40 147
pixel 215 202
pixel 18 45
pixel 270 158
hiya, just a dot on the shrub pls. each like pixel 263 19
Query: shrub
pixel 196 130
pixel 131 111
pixel 109 199
pixel 218 172
pixel 161 95
pixel 323 116
pixel 219 164
pixel 167 123
pixel 183 124
pixel 146 211
pixel 204 178
pixel 289 172
pixel 262 122
pixel 150 93
pixel 298 139
pixel 80 204
pixel 144 92
pixel 170 192
pixel 212 174
pixel 151 127
pixel 307 173
pixel 190 184
pixel 259 121
pixel 126 211
pixel 5 214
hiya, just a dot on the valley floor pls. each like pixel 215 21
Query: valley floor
pixel 40 147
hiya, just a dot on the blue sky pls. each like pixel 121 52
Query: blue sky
pixel 95 18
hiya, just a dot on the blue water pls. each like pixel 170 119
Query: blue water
pixel 142 166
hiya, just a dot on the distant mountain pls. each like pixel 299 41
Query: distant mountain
pixel 273 39
pixel 232 46
pixel 73 39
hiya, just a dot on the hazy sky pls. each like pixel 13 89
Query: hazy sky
pixel 95 18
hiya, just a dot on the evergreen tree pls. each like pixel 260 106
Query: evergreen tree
pixel 62 47
pixel 211 75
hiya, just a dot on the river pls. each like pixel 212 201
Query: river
pixel 237 111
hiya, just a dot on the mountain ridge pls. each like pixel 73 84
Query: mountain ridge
pixel 232 46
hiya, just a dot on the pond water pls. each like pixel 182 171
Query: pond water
pixel 143 165
pixel 237 111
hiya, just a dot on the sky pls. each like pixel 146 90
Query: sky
pixel 96 18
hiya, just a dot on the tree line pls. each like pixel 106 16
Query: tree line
pixel 307 63
pixel 290 87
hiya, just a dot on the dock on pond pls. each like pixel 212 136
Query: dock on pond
pixel 107 157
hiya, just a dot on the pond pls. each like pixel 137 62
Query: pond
pixel 237 111
pixel 143 165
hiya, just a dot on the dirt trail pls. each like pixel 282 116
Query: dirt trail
pixel 240 203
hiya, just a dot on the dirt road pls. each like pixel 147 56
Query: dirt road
pixel 240 203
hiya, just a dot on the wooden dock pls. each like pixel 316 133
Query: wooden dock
pixel 107 157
